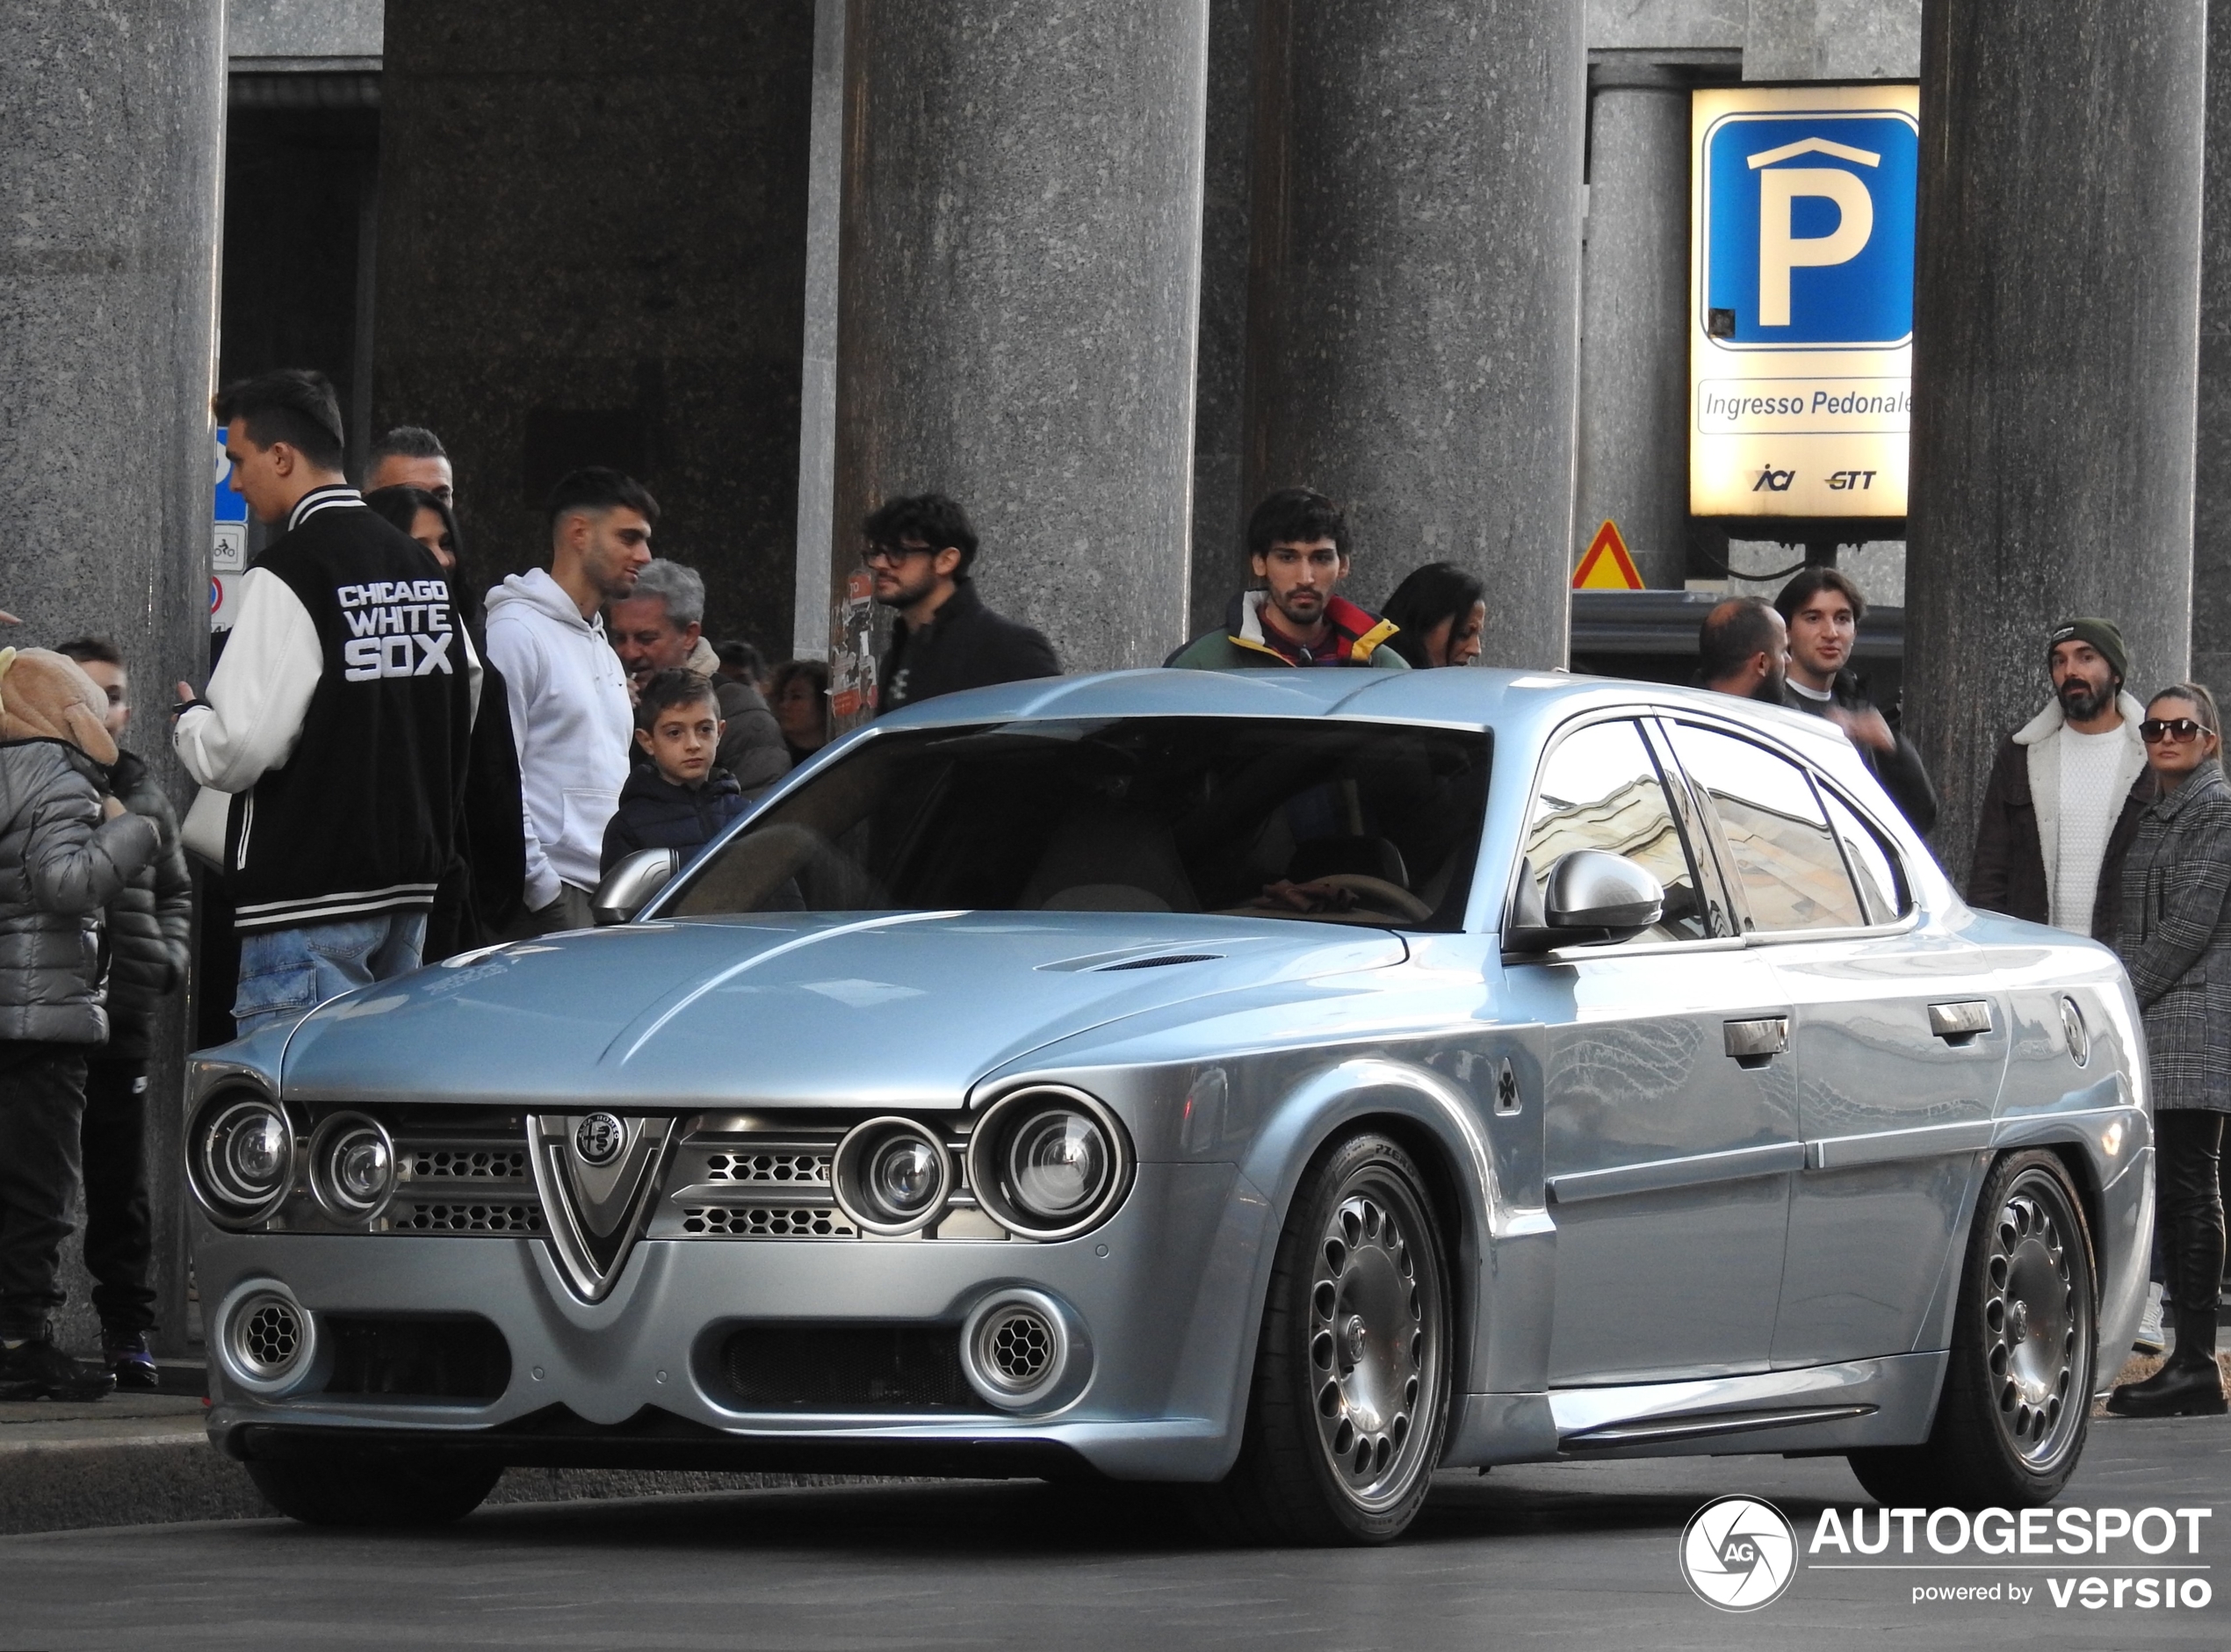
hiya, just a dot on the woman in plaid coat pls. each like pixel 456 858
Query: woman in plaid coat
pixel 2174 933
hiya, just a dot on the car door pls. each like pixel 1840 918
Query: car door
pixel 1669 1120
pixel 1898 1048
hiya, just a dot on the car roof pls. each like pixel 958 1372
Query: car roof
pixel 1513 703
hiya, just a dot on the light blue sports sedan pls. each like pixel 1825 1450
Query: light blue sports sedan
pixel 1282 1083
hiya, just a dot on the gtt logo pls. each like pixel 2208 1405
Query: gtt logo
pixel 1809 229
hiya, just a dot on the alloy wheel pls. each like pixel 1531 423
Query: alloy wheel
pixel 2036 1322
pixel 1374 1333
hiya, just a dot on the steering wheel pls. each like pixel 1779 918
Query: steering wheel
pixel 1388 896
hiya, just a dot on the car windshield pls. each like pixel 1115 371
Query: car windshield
pixel 1320 818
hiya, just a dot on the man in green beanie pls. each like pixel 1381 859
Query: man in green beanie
pixel 2066 792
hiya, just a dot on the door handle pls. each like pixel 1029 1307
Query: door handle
pixel 1960 1023
pixel 1753 1043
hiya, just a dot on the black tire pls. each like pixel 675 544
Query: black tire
pixel 1350 1399
pixel 397 1488
pixel 2016 1402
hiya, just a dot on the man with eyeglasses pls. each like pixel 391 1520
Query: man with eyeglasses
pixel 2066 792
pixel 1298 544
pixel 919 552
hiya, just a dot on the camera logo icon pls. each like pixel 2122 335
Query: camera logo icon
pixel 1738 1554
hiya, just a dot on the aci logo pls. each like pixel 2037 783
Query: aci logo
pixel 1809 229
pixel 1738 1554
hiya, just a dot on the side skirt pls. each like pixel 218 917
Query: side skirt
pixel 1818 1409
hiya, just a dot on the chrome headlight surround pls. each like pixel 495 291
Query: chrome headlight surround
pixel 1020 1121
pixel 341 1149
pixel 239 1157
pixel 867 1149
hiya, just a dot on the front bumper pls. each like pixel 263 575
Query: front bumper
pixel 1161 1290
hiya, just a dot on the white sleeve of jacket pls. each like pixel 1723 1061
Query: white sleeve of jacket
pixel 252 716
pixel 514 653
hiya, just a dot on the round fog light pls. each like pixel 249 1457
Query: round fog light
pixel 891 1176
pixel 1022 1351
pixel 266 1341
pixel 353 1167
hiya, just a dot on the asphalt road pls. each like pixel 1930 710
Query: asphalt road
pixel 1554 1556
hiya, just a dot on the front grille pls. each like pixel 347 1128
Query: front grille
pixel 465 1172
pixel 771 1367
pixel 518 1216
pixel 768 1167
pixel 460 1163
pixel 756 1221
pixel 404 1360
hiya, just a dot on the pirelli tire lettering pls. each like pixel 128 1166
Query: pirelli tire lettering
pixel 398 628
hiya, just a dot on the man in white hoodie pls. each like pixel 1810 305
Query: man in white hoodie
pixel 570 708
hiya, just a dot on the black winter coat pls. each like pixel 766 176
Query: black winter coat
pixel 1900 769
pixel 654 813
pixel 965 645
pixel 479 895
pixel 150 924
pixel 2008 871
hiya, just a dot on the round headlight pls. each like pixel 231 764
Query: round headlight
pixel 1057 1163
pixel 891 1176
pixel 241 1161
pixel 353 1167
pixel 1049 1161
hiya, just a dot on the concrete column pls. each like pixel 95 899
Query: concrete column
pixel 2212 488
pixel 1633 337
pixel 592 250
pixel 111 164
pixel 1415 313
pixel 817 383
pixel 2055 345
pixel 1220 385
pixel 1018 299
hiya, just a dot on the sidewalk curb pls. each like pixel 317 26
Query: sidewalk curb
pixel 156 1472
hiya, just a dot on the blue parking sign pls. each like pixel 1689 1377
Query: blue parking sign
pixel 1809 229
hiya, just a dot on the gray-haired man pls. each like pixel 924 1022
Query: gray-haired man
pixel 658 627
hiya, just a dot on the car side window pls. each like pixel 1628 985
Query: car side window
pixel 1599 790
pixel 1785 856
pixel 1881 879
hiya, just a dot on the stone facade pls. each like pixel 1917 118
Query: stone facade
pixel 592 250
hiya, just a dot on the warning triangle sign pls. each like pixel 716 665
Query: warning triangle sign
pixel 1607 567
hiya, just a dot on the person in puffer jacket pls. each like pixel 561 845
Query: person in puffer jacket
pixel 67 850
pixel 150 928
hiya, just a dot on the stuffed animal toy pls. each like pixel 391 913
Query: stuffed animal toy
pixel 44 696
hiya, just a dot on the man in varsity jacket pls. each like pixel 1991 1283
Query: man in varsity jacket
pixel 337 719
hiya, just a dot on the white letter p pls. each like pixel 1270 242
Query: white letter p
pixel 1779 252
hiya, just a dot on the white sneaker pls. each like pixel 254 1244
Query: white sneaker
pixel 2149 1338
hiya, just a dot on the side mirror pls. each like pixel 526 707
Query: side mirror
pixel 1592 895
pixel 628 887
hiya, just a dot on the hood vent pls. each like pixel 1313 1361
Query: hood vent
pixel 1156 963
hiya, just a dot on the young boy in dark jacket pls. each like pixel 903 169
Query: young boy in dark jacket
pixel 150 926
pixel 67 850
pixel 680 801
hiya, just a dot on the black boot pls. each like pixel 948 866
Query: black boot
pixel 2188 1384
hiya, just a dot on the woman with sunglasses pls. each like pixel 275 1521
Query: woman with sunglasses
pixel 2173 932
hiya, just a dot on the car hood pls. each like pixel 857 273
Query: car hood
pixel 904 1011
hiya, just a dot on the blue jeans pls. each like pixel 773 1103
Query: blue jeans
pixel 285 972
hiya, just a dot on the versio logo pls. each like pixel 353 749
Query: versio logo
pixel 1738 1554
